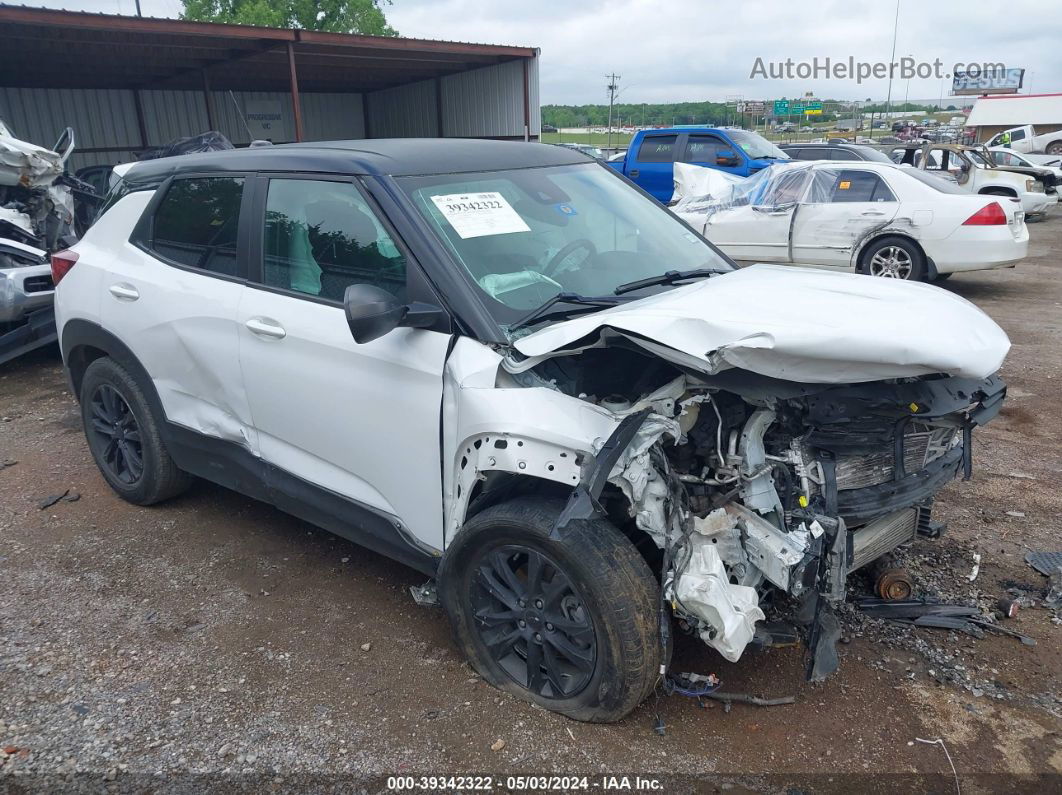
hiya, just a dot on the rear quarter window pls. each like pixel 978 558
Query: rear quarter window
pixel 195 223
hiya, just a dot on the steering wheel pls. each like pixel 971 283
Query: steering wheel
pixel 564 253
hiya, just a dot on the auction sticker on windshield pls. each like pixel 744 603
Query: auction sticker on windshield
pixel 480 214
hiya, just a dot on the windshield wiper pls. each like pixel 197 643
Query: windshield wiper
pixel 668 277
pixel 563 298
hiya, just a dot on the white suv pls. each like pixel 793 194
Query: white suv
pixel 506 366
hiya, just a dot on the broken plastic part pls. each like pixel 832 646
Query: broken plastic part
pixel 728 612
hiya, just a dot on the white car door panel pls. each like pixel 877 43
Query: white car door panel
pixel 180 322
pixel 751 235
pixel 843 207
pixel 336 413
pixel 359 420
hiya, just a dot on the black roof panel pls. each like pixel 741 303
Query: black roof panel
pixel 373 157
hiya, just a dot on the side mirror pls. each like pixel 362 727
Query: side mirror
pixel 727 159
pixel 373 312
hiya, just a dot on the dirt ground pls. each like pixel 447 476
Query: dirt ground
pixel 214 642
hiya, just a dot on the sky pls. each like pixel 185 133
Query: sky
pixel 696 50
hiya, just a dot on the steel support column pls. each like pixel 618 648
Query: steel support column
pixel 296 105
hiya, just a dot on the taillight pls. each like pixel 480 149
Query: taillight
pixel 62 262
pixel 989 215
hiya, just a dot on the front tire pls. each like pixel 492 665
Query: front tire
pixel 570 623
pixel 123 436
pixel 894 257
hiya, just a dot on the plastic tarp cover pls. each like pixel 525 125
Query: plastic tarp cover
pixel 210 141
pixel 26 164
pixel 703 192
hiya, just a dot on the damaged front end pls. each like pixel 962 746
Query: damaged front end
pixel 745 490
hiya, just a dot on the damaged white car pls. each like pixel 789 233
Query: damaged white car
pixel 503 365
pixel 867 217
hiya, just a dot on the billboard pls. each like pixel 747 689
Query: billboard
pixel 987 81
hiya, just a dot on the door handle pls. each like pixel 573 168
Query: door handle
pixel 634 173
pixel 266 327
pixel 873 213
pixel 124 292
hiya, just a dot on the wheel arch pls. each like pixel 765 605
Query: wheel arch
pixel 82 342
pixel 883 233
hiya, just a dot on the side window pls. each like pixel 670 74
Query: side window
pixel 861 186
pixel 843 154
pixel 195 224
pixel 705 148
pixel 321 237
pixel 657 149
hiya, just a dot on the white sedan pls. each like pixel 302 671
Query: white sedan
pixel 867 217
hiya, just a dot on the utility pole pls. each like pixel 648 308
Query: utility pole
pixel 892 62
pixel 613 84
pixel 138 9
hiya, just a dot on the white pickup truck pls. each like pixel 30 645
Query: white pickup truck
pixel 1027 140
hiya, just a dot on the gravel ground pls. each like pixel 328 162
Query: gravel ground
pixel 215 643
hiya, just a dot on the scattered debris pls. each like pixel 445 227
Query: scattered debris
pixel 1016 514
pixel 1008 607
pixel 7 462
pixel 1054 590
pixel 954 772
pixel 72 496
pixel 692 685
pixel 366 646
pixel 1044 562
pixel 426 595
pixel 976 567
pixel 745 698
pixel 497 745
pixel 51 500
pixel 893 584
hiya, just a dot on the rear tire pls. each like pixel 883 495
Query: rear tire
pixel 1054 148
pixel 893 257
pixel 570 623
pixel 123 436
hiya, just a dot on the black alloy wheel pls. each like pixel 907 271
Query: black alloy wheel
pixel 533 621
pixel 116 434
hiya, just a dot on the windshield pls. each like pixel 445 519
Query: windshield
pixel 756 146
pixel 525 235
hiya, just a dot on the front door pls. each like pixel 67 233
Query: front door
pixel 360 421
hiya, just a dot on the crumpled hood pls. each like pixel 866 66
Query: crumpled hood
pixel 799 324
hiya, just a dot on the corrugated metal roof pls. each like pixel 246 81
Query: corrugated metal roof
pixel 85 50
pixel 1012 110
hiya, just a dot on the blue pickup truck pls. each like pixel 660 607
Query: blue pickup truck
pixel 648 162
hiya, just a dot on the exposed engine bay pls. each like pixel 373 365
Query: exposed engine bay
pixel 744 490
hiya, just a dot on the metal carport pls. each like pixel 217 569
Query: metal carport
pixel 127 83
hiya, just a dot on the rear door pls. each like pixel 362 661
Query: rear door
pixel 842 207
pixel 651 167
pixel 171 294
pixel 358 421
